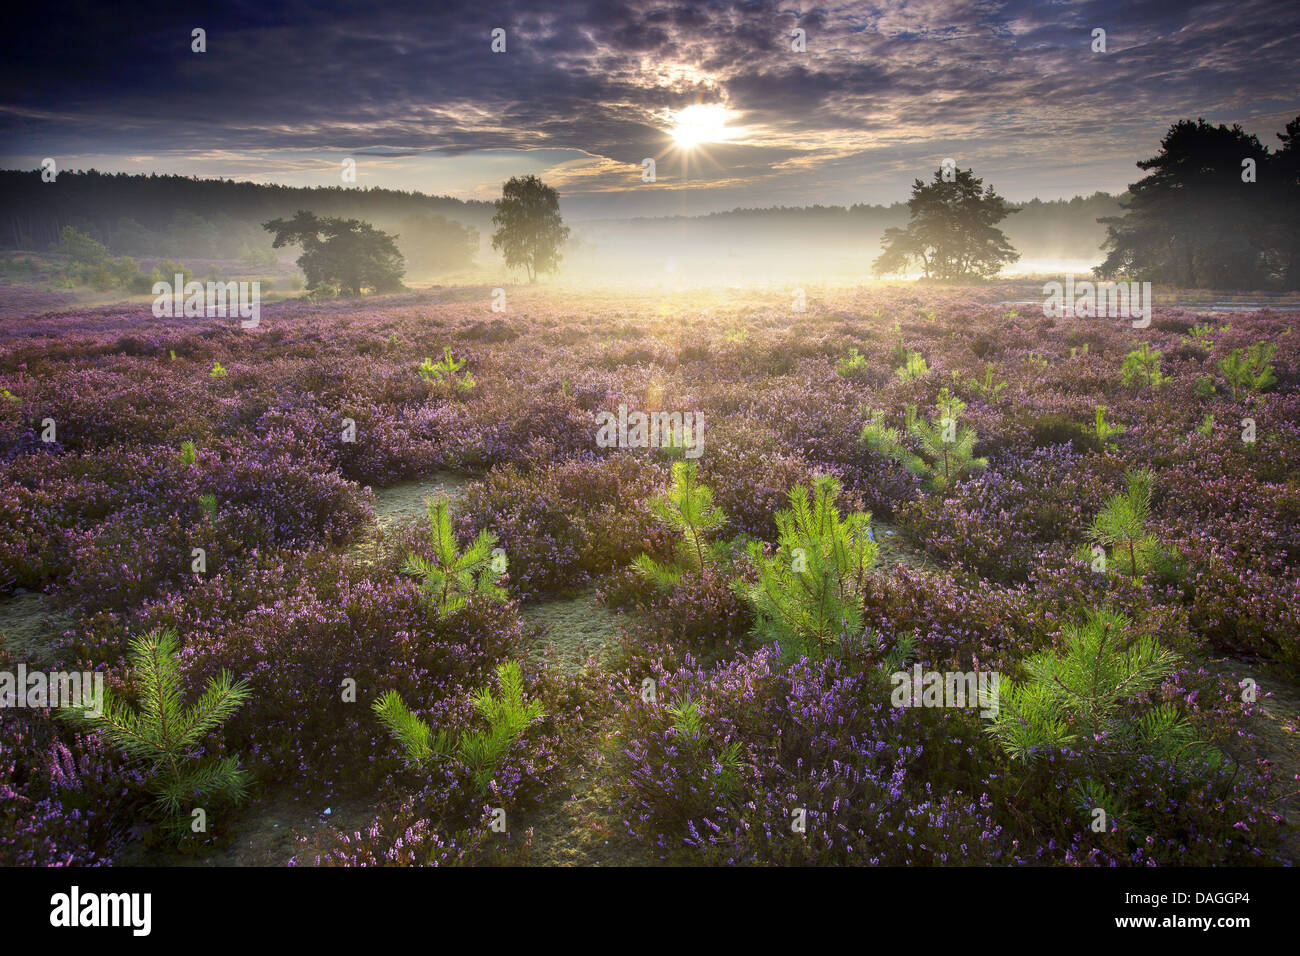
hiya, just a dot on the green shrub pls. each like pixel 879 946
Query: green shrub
pixel 450 578
pixel 80 248
pixel 166 735
pixel 479 752
pixel 1249 372
pixel 687 508
pixel 809 592
pixel 142 283
pixel 169 270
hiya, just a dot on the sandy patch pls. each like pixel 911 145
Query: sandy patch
pixel 576 628
pixel 30 629
pixel 892 550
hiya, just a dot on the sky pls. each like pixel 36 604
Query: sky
pixel 717 94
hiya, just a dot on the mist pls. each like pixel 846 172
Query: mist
pixel 818 244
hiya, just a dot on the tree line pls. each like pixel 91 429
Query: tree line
pixel 1217 209
pixel 351 256
pixel 178 216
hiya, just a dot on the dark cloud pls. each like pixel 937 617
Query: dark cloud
pixel 883 87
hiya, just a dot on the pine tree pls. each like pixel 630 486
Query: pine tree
pixel 451 578
pixel 1202 334
pixel 166 735
pixel 1088 695
pixel 852 366
pixel 810 591
pixel 1121 525
pixel 687 508
pixel 988 388
pixel 880 439
pixel 1104 429
pixel 447 370
pixel 689 727
pixel 1249 372
pixel 950 446
pixel 479 752
pixel 913 367
pixel 1142 368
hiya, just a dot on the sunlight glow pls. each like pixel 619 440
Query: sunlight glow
pixel 701 123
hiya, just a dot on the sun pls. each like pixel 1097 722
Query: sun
pixel 701 123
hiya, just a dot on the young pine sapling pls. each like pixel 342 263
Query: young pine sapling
pixel 851 366
pixel 689 727
pixel 1092 696
pixel 1141 368
pixel 913 367
pixel 1121 525
pixel 448 369
pixel 1103 429
pixel 479 752
pixel 451 577
pixel 809 592
pixel 687 508
pixel 949 446
pixel 166 735
pixel 1249 372
pixel 987 388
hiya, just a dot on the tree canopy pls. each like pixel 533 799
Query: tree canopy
pixel 952 233
pixel 530 230
pixel 349 253
pixel 1216 209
